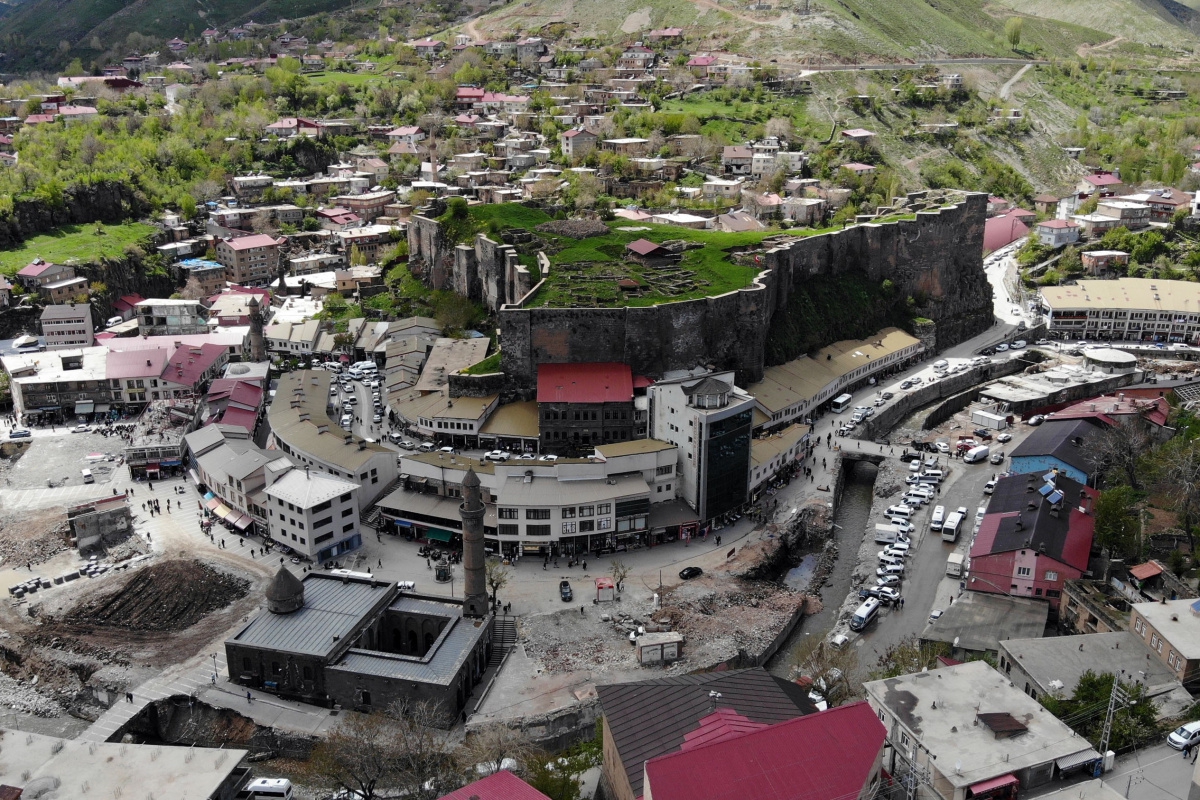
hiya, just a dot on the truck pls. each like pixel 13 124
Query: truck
pixel 954 565
pixel 976 454
pixel 886 534
pixel 951 526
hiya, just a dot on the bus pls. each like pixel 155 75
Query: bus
pixel 950 527
pixel 841 403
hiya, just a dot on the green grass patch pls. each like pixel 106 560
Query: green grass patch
pixel 486 367
pixel 76 244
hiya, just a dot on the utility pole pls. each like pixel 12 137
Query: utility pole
pixel 1120 696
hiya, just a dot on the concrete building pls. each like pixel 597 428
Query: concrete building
pixel 1057 232
pixel 100 523
pixel 975 623
pixel 974 734
pixel 235 472
pixel 67 290
pixel 1053 666
pixel 577 143
pixel 1171 629
pixel 300 422
pixel 709 420
pixel 171 317
pixel 1058 444
pixel 582 405
pixel 1130 309
pixel 313 514
pixel 249 260
pixel 67 326
pixel 38 273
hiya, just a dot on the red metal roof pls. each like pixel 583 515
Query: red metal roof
pixel 257 240
pixel 825 756
pixel 502 785
pixel 720 726
pixel 993 783
pixel 241 417
pixel 1002 230
pixel 188 363
pixel 1102 179
pixel 643 247
pixel 1058 223
pixel 601 382
pixel 1145 571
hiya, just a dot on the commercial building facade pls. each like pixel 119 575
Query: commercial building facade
pixel 1126 309
pixel 313 514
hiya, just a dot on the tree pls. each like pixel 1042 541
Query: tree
pixel 393 754
pixel 1132 723
pixel 1178 476
pixel 1012 31
pixel 620 571
pixel 1117 450
pixel 343 341
pixel 835 666
pixel 907 656
pixel 1117 524
pixel 496 575
pixel 491 747
pixel 357 259
pixel 778 126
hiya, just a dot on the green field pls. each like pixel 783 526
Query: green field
pixel 78 243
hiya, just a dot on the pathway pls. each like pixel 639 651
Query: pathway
pixel 1007 87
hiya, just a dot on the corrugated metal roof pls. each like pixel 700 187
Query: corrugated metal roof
pixel 595 382
pixel 333 607
pixel 651 718
pixel 503 785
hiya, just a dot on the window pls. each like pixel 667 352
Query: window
pixel 323 521
pixel 604 508
pixel 604 524
pixel 325 537
pixel 507 513
pixel 508 529
pixel 348 527
pixel 568 512
pixel 344 498
pixel 568 527
pixel 587 526
pixel 537 530
pixel 1023 572
pixel 347 512
pixel 587 511
pixel 537 513
pixel 667 470
pixel 1051 575
pixel 1154 641
pixel 275 668
pixel 316 508
pixel 1139 627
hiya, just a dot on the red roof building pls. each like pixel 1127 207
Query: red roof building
pixel 125 305
pixel 602 382
pixel 190 367
pixel 583 405
pixel 833 755
pixel 502 785
pixel 1001 231
pixel 1112 410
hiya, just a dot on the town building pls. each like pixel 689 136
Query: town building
pixel 1036 535
pixel 171 317
pixel 1129 309
pixel 38 273
pixel 299 419
pixel 67 326
pixel 312 513
pixel 500 785
pixel 584 404
pixel 577 143
pixel 234 472
pixel 1053 665
pixel 249 259
pixel 100 523
pixel 1059 444
pixel 648 719
pixel 1171 629
pixel 210 275
pixel 972 733
pixel 1103 182
pixel 709 420
pixel 1057 232
pixel 1098 262
pixel 234 402
pixel 975 623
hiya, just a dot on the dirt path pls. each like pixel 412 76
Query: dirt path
pixel 1007 87
pixel 735 14
pixel 1084 49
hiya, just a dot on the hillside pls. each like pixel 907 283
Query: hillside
pixel 850 31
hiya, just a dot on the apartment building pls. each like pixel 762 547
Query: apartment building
pixel 1171 629
pixel 1126 309
pixel 169 317
pixel 249 259
pixel 312 512
pixel 68 325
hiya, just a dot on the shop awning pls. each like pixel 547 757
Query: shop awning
pixel 212 503
pixel 103 408
pixel 85 406
pixel 1076 760
pixel 989 786
pixel 438 535
pixel 243 522
pixel 175 462
pixel 209 495
pixel 222 511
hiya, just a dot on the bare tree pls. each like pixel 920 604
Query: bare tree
pixel 620 571
pixel 833 667
pixel 492 749
pixel 779 126
pixel 192 290
pixel 1179 478
pixel 1119 448
pixel 496 575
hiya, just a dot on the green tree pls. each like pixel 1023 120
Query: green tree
pixel 1117 524
pixel 1013 28
pixel 1131 723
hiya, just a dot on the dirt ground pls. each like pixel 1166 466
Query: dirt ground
pixel 59 460
pixel 33 537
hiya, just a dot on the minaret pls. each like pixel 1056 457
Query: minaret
pixel 475 603
pixel 258 350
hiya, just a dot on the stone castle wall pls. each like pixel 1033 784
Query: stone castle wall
pixel 936 258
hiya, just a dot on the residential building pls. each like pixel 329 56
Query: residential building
pixel 38 273
pixel 234 402
pixel 1057 232
pixel 648 719
pixel 500 785
pixel 737 159
pixel 577 143
pixel 623 497
pixel 225 461
pixel 313 513
pixel 858 135
pixel 1103 182
pixel 249 259
pixel 1129 214
pixel 170 317
pixel 834 755
pixel 1036 535
pixel 1098 262
pixel 210 275
pixel 1093 607
pixel 299 419
pixel 584 404
pixel 1059 444
pixel 1171 629
pixel 349 639
pixel 709 420
pixel 67 290
pixel 776 455
pixel 67 326
pixel 368 205
pixel 975 623
pixel 1130 309
pixel 368 239
pixel 190 369
pixel 975 735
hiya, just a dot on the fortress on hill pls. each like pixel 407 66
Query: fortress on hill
pixel 932 266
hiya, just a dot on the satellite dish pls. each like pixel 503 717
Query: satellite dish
pixel 956 641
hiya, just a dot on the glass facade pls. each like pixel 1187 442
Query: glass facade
pixel 727 468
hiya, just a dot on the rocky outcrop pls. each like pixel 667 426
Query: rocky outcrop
pixel 104 201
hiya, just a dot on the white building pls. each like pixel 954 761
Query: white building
pixel 710 421
pixel 313 513
pixel 1129 309
pixel 67 325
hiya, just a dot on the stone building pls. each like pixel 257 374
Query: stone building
pixel 583 405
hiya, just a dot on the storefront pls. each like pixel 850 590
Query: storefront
pixel 1005 787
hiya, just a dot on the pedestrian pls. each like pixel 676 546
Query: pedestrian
pixel 902 602
pixel 1195 752
pixel 585 563
pixel 240 542
pixel 381 562
pixel 1187 750
pixel 152 486
pixel 581 611
pixel 168 504
pixel 249 698
pixel 143 506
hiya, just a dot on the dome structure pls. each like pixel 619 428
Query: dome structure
pixel 285 594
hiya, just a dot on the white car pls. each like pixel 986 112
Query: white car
pixel 548 458
pixel 377 419
pixel 914 465
pixel 446 450
pixel 497 455
pixel 80 428
pixel 888 580
pixel 1000 348
pixel 408 445
pixel 898 548
pixel 1019 344
pixel 1185 736
pixel 1004 437
pixel 935 616
pixel 942 447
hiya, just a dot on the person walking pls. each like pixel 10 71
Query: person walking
pixel 249 698
pixel 1187 750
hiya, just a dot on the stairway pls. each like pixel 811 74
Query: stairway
pixel 504 636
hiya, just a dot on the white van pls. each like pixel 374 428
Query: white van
pixel 87 476
pixel 347 421
pixel 355 373
pixel 976 454
pixel 886 534
pixel 901 511
pixel 865 613
pixel 269 789
pixel 938 517
pixel 427 447
pixel 941 365
pixel 935 474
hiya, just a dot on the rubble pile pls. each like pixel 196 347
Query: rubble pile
pixel 730 617
pixel 33 538
pixel 170 596
pixel 567 641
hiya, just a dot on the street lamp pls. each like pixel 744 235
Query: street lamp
pixel 213 656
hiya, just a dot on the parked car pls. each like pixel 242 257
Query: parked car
pixel 1036 419
pixel 888 580
pixel 942 447
pixel 990 486
pixel 20 434
pixel 1000 348
pixel 446 450
pixel 408 445
pixel 1004 437
pixel 983 434
pixel 997 457
pixel 687 573
pixel 497 455
pixel 377 418
pixel 1187 735
pixel 548 458
pixel 906 385
pixel 935 616
pixel 81 428
pixel 1019 344
pixel 888 395
pixel 564 591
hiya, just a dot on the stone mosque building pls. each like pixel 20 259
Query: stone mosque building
pixel 346 639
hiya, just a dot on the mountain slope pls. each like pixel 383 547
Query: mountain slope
pixel 1148 21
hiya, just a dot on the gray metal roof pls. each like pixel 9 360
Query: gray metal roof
pixel 440 665
pixel 333 607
